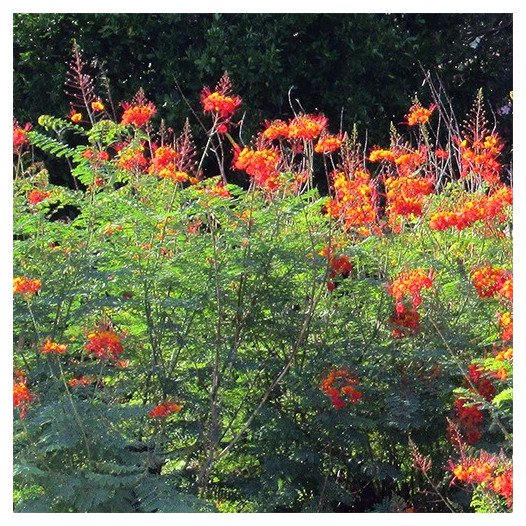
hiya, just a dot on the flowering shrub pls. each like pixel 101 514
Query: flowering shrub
pixel 331 353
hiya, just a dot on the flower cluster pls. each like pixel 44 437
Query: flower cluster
pixel 164 164
pixel 37 196
pixel 491 472
pixel 377 155
pixel 471 417
pixel 419 115
pixel 406 161
pixel 26 286
pixel 339 385
pixel 339 267
pixel 20 138
pixel 504 354
pixel 22 396
pixel 50 347
pixel 303 127
pixel 216 102
pixel 104 345
pixel 328 144
pixel 480 156
pixel 97 105
pixel 131 158
pixel 490 281
pixel 410 283
pixel 260 165
pixel 83 381
pixel 353 201
pixel 506 323
pixel 137 114
pixel 75 116
pixel 405 196
pixel 479 380
pixel 164 409
pixel 406 322
pixel 95 157
pixel 490 208
pixel 221 102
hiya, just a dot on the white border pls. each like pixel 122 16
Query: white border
pixel 272 6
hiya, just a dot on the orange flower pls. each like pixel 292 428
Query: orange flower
pixel 328 144
pixel 75 116
pixel 164 409
pixel 307 127
pixel 37 196
pixel 405 196
pixel 26 286
pixel 164 164
pixel 378 155
pixel 479 157
pixel 22 396
pixel 353 200
pixel 503 485
pixel 215 102
pixel 418 114
pixel 50 347
pixel 276 129
pixel 506 322
pixel 490 281
pixel 408 163
pixel 261 165
pixel 504 354
pixel 105 345
pixel 410 283
pixel 489 208
pixel 131 158
pixel 97 105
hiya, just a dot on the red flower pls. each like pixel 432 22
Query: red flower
pixel 164 409
pixel 506 322
pixel 489 281
pixel 164 164
pixel 479 157
pixel 37 196
pixel 26 286
pixel 339 385
pixel 20 137
pixel 83 381
pixel 131 158
pixel 215 102
pixel 406 322
pixel 489 208
pixel 105 345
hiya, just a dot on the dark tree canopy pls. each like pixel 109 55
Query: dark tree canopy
pixel 369 65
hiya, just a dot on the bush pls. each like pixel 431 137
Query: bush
pixel 191 345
